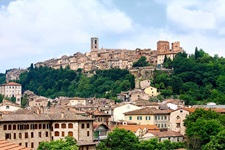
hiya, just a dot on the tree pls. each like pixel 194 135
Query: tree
pixel 68 143
pixel 119 139
pixel 1 98
pixel 200 126
pixel 217 142
pixel 24 101
pixel 141 62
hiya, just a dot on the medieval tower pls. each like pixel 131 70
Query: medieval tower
pixel 94 44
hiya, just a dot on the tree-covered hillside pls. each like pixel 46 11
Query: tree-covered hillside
pixel 2 78
pixel 65 82
pixel 197 79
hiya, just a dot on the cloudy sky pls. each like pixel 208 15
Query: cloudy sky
pixel 37 30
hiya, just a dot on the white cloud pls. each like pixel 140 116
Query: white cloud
pixel 49 27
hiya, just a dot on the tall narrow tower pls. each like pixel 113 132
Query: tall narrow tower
pixel 94 43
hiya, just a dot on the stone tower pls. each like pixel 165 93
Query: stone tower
pixel 163 47
pixel 94 44
pixel 176 46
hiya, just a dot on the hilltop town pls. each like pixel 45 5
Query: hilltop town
pixel 90 120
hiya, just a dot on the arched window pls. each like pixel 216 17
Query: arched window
pixel 40 126
pixel 70 133
pixel 56 133
pixel 14 127
pixel 9 127
pixel 56 125
pixel 44 126
pixel 70 125
pixel 88 125
pixel 63 126
pixel 5 127
pixel 82 125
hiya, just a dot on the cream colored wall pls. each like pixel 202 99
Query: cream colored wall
pixel 65 130
pixel 9 108
pixel 118 112
pixel 141 122
pixel 35 140
pixel 162 120
pixel 77 102
pixel 173 120
pixel 151 91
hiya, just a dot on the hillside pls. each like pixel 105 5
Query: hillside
pixel 65 82
pixel 197 79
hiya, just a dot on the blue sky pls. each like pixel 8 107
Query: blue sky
pixel 37 30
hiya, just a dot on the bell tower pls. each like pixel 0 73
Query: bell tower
pixel 94 44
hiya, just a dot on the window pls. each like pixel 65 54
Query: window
pixel 44 126
pixel 181 110
pixel 165 125
pixel 63 126
pixel 7 107
pixel 88 125
pixel 70 125
pixel 165 117
pixel 56 125
pixel 20 144
pixel 147 118
pixel 40 127
pixel 14 136
pixel 8 136
pixel 139 117
pixel 46 134
pixel 39 134
pixel 14 127
pixel 26 144
pixel 161 117
pixel 130 118
pixel 155 117
pixel 20 135
pixel 26 135
pixel 32 134
pixel 32 145
pixel 63 134
pixel 56 133
pixel 70 133
pixel 48 126
pixel 82 125
pixel 5 127
pixel 88 133
pixel 158 117
pixel 9 127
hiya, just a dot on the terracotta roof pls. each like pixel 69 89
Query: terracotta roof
pixel 12 84
pixel 96 125
pixel 219 110
pixel 6 145
pixel 148 111
pixel 134 128
pixel 166 134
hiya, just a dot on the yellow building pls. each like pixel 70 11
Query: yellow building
pixel 149 116
pixel 151 91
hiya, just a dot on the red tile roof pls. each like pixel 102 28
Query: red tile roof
pixel 12 84
pixel 167 134
pixel 6 145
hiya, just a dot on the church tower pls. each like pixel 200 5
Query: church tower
pixel 94 44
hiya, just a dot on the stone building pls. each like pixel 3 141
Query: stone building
pixel 12 89
pixel 29 130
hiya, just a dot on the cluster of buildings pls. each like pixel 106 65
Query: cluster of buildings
pixel 89 120
pixel 102 58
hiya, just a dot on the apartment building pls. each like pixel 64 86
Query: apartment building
pixel 150 116
pixel 29 130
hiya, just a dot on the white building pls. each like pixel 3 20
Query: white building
pixel 12 89
pixel 118 111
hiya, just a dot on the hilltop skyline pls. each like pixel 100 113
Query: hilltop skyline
pixel 37 30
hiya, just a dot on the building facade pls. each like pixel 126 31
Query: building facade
pixel 12 89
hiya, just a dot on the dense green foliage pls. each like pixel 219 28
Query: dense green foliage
pixel 2 78
pixel 204 128
pixel 197 78
pixel 121 139
pixel 1 98
pixel 68 143
pixel 65 82
pixel 141 62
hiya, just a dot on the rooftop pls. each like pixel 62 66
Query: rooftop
pixel 6 145
pixel 147 111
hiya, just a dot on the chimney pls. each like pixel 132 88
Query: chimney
pixel 62 115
